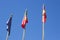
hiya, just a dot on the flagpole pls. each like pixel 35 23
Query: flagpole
pixel 7 36
pixel 23 36
pixel 43 31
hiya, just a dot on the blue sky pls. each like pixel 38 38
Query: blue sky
pixel 34 26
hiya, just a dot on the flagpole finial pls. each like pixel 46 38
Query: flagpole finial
pixel 26 11
pixel 43 6
pixel 11 15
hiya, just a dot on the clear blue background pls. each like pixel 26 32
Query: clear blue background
pixel 34 26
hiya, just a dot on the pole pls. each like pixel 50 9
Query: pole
pixel 43 31
pixel 23 36
pixel 7 36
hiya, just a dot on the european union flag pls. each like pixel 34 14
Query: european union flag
pixel 9 24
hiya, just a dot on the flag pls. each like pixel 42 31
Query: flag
pixel 9 24
pixel 25 20
pixel 44 14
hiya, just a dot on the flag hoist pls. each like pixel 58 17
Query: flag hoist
pixel 43 20
pixel 9 27
pixel 24 21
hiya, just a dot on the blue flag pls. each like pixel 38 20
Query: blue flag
pixel 9 24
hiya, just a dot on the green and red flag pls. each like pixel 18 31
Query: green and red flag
pixel 44 15
pixel 25 20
